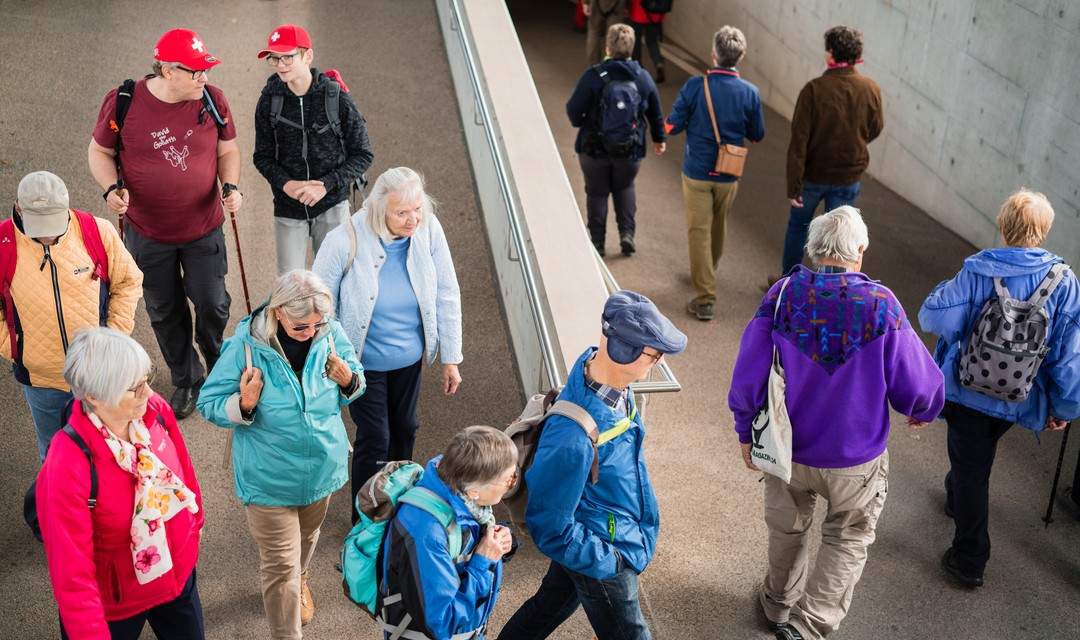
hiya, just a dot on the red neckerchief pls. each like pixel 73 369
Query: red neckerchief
pixel 841 65
pixel 728 72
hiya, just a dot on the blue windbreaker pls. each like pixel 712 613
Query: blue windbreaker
pixel 952 308
pixel 444 598
pixel 577 523
pixel 295 451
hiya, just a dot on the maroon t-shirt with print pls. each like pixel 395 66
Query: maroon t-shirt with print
pixel 169 163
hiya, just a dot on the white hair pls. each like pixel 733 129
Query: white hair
pixel 407 185
pixel 298 294
pixel 837 235
pixel 104 363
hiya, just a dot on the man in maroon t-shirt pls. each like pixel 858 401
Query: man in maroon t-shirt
pixel 173 156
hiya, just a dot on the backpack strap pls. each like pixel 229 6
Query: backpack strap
pixel 91 501
pixel 351 231
pixel 575 412
pixel 277 101
pixel 440 509
pixel 9 256
pixel 94 246
pixel 1046 288
pixel 332 102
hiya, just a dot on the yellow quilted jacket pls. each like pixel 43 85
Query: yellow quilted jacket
pixel 37 296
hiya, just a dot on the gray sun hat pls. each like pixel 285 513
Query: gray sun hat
pixel 632 322
pixel 43 199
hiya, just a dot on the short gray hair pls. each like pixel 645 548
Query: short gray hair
pixel 728 45
pixel 477 456
pixel 837 235
pixel 104 363
pixel 298 294
pixel 403 183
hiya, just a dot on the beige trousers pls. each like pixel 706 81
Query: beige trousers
pixel 707 206
pixel 286 537
pixel 815 605
pixel 598 25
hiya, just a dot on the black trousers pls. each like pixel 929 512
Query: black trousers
pixel 973 438
pixel 386 423
pixel 172 275
pixel 612 177
pixel 178 619
pixel 653 34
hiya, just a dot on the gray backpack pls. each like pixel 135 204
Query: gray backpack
pixel 1008 343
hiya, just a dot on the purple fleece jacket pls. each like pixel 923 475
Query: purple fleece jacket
pixel 848 352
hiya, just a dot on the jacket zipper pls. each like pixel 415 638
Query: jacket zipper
pixel 56 296
pixel 307 166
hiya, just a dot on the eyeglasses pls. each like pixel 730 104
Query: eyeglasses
pixel 145 384
pixel 285 59
pixel 305 327
pixel 195 74
pixel 509 484
pixel 655 356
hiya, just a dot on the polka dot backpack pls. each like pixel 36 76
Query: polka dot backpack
pixel 1009 341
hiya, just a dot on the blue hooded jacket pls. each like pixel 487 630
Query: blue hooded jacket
pixel 577 523
pixel 952 309
pixel 583 107
pixel 444 598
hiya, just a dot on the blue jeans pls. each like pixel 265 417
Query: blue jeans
pixel 611 605
pixel 46 407
pixel 812 193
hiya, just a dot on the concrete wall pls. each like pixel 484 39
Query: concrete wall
pixel 981 96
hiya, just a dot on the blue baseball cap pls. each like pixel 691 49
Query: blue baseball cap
pixel 632 322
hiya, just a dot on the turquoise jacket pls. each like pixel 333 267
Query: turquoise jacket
pixel 577 523
pixel 295 451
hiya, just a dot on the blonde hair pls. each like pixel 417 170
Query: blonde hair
pixel 620 41
pixel 1025 219
pixel 298 294
pixel 405 184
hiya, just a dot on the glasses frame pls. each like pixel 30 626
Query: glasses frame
pixel 150 375
pixel 304 327
pixel 509 484
pixel 655 356
pixel 285 59
pixel 195 73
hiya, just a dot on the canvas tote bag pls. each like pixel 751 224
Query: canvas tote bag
pixel 770 449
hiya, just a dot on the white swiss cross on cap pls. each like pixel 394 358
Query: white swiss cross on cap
pixel 197 45
pixel 275 37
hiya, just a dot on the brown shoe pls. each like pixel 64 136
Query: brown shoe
pixel 307 606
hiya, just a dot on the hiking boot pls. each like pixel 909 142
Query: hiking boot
pixel 948 560
pixel 703 312
pixel 626 242
pixel 183 400
pixel 660 77
pixel 307 606
pixel 1067 504
pixel 788 632
pixel 599 248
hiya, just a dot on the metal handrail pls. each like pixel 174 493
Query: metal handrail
pixel 668 382
pixel 552 370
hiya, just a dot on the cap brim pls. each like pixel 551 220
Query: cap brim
pixel 276 49
pixel 204 63
pixel 36 225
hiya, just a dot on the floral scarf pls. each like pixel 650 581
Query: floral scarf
pixel 155 488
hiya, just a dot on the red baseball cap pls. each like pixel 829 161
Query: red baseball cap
pixel 286 38
pixel 184 46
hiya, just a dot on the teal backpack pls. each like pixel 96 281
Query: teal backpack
pixel 377 502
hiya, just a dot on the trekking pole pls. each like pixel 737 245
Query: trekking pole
pixel 1057 474
pixel 225 192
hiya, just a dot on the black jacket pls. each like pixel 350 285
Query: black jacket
pixel 583 107
pixel 324 149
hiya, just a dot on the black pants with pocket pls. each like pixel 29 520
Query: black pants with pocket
pixel 612 177
pixel 973 438
pixel 172 275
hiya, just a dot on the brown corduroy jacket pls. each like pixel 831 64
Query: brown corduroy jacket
pixel 836 116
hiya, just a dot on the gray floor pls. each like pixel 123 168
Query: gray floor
pixel 711 553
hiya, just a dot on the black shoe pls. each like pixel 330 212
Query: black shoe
pixel 183 400
pixel 599 248
pixel 948 560
pixel 788 632
pixel 702 312
pixel 626 242
pixel 660 77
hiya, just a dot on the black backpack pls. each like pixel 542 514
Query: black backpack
pixel 617 127
pixel 656 6
pixel 332 101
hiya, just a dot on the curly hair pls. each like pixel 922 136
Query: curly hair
pixel 845 43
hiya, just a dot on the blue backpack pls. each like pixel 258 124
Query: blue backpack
pixel 377 502
pixel 617 124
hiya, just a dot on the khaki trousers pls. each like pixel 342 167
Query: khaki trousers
pixel 815 605
pixel 286 537
pixel 598 25
pixel 707 206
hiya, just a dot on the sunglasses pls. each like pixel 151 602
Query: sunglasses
pixel 305 327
